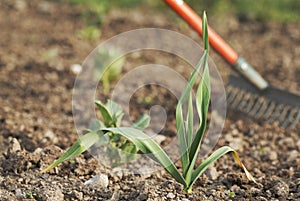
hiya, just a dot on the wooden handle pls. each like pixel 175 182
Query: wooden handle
pixel 195 22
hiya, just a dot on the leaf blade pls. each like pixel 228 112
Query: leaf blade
pixel 106 116
pixel 81 145
pixel 148 146
pixel 214 157
pixel 142 122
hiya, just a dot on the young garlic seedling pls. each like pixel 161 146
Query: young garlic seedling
pixel 189 141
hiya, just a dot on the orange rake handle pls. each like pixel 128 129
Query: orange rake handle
pixel 195 21
pixel 230 55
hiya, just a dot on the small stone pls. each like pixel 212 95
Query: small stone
pixel 18 193
pixel 142 197
pixel 213 173
pixel 115 196
pixel 272 155
pixel 298 144
pixel 50 194
pixel 79 195
pixel 38 150
pixel 255 191
pixel 237 144
pixel 185 199
pixel 45 7
pixel 293 155
pixel 160 138
pixel 20 5
pixel 287 142
pixel 100 179
pixel 49 134
pixel 76 68
pixel 280 189
pixel 14 146
pixel 170 195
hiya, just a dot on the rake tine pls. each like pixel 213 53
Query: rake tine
pixel 275 114
pixel 238 99
pixel 296 119
pixel 256 107
pixel 283 114
pixel 270 110
pixel 231 95
pixel 251 103
pixel 292 113
pixel 262 109
pixel 244 102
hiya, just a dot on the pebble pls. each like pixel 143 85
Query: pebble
pixel 142 197
pixel 14 146
pixel 20 5
pixel 18 193
pixel 49 134
pixel 293 155
pixel 76 69
pixel 159 138
pixel 280 189
pixel 79 195
pixel 287 142
pixel 50 194
pixel 272 155
pixel 213 173
pixel 237 144
pixel 170 195
pixel 298 144
pixel 100 179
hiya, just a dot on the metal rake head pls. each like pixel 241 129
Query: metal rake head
pixel 271 104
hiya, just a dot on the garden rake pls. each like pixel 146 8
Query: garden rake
pixel 255 97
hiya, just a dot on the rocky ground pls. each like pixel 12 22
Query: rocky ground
pixel 39 44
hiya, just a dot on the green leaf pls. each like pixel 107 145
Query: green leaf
pixel 190 121
pixel 214 157
pixel 96 125
pixel 183 137
pixel 115 111
pixel 81 145
pixel 111 113
pixel 202 104
pixel 205 32
pixel 106 115
pixel 142 122
pixel 148 146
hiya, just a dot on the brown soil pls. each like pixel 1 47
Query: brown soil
pixel 36 122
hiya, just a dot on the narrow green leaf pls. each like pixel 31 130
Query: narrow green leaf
pixel 115 111
pixel 190 121
pixel 106 115
pixel 142 122
pixel 205 32
pixel 111 113
pixel 96 125
pixel 202 104
pixel 214 157
pixel 148 146
pixel 184 146
pixel 81 145
pixel 182 139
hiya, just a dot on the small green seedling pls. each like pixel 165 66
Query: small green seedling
pixel 189 141
pixel 105 68
pixel 230 193
pixel 118 149
pixel 90 33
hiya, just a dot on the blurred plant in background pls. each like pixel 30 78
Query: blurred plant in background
pixel 106 68
pixel 263 10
